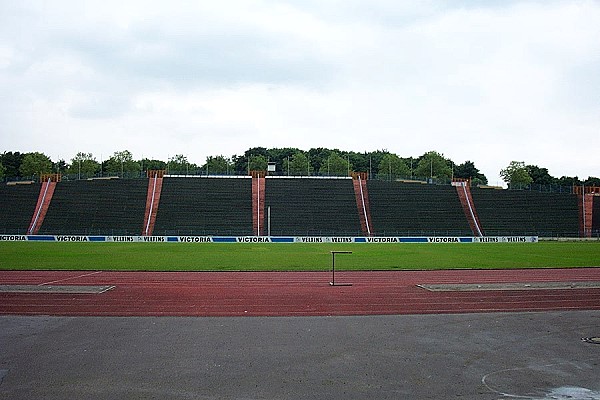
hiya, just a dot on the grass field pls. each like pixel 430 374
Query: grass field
pixel 293 257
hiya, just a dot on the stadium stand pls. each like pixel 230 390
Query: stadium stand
pixel 596 217
pixel 517 212
pixel 312 207
pixel 298 207
pixel 96 207
pixel 18 204
pixel 413 209
pixel 205 206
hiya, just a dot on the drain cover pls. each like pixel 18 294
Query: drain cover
pixel 594 340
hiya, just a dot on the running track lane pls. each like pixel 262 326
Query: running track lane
pixel 292 293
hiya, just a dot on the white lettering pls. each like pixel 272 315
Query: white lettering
pixel 488 240
pixel 72 238
pixel 382 240
pixel 311 240
pixel 13 238
pixel 253 239
pixel 154 239
pixel 122 238
pixel 341 240
pixel 443 240
pixel 195 239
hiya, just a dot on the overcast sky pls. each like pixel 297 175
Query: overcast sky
pixel 486 81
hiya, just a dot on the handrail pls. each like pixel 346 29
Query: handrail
pixel 39 210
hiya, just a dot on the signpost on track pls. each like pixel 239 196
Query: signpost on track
pixel 332 283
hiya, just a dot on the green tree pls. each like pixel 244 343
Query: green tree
pixel 122 163
pixel 516 174
pixel 336 165
pixel 217 165
pixel 12 163
pixel 297 164
pixel 84 165
pixel 35 164
pixel 467 170
pixel 540 176
pixel 592 181
pixel 2 171
pixel 569 181
pixel 433 165
pixel 375 158
pixel 359 161
pixel 392 167
pixel 280 156
pixel 257 163
pixel 147 164
pixel 60 166
pixel 179 164
pixel 242 164
pixel 318 157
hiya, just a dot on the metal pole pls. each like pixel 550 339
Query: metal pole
pixel 332 283
pixel 269 220
pixel 333 268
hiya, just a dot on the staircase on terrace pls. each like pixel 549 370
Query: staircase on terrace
pixel 41 208
pixel 463 189
pixel 152 200
pixel 361 193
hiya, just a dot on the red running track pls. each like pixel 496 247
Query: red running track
pixel 292 293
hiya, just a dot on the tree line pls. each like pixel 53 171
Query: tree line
pixel 380 164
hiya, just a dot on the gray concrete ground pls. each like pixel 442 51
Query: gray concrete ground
pixel 469 356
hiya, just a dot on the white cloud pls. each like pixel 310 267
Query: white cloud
pixel 488 82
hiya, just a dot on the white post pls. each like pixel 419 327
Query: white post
pixel 269 220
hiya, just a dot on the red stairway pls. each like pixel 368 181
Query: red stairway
pixel 44 199
pixel 152 201
pixel 359 179
pixel 258 203
pixel 586 207
pixel 463 189
pixel 585 199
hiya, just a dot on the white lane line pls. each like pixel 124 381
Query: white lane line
pixel 66 279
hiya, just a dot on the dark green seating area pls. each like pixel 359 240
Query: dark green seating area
pixel 205 206
pixel 17 205
pixel 97 207
pixel 516 212
pixel 312 207
pixel 298 207
pixel 412 209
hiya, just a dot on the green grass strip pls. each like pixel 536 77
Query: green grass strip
pixel 293 257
